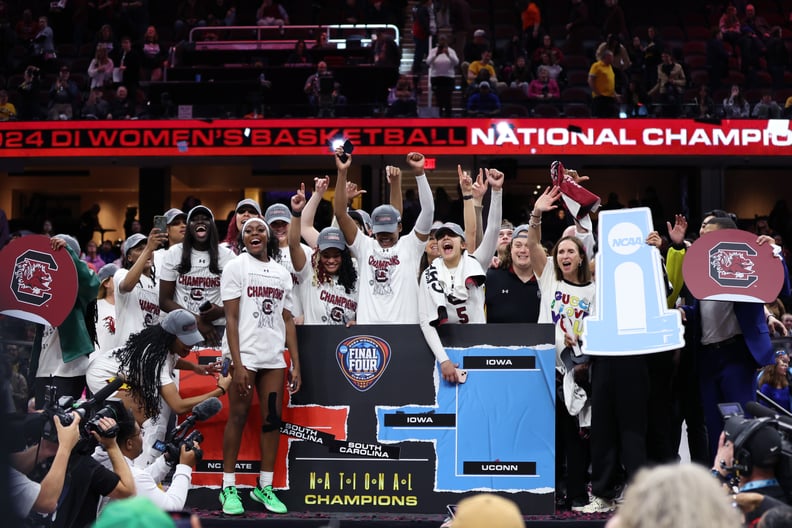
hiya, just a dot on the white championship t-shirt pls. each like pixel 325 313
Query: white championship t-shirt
pixel 136 309
pixel 264 290
pixel 199 284
pixel 388 280
pixel 326 303
pixel 284 259
pixel 105 325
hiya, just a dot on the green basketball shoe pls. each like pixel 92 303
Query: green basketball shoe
pixel 232 504
pixel 266 496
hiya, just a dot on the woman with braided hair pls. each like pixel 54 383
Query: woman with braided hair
pixel 146 362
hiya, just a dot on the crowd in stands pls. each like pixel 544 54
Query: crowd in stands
pixel 660 64
pixel 137 316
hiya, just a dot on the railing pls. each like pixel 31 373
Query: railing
pixel 339 36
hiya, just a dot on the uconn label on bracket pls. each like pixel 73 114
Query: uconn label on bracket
pixel 499 468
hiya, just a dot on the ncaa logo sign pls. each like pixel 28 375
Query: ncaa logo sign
pixel 32 277
pixel 362 360
pixel 731 264
pixel 625 238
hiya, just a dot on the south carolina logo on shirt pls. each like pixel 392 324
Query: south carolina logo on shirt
pixel 363 360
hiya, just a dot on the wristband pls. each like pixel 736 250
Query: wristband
pixel 296 214
pixel 467 197
pixel 222 389
pixel 536 215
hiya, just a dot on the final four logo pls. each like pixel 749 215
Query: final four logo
pixel 363 359
pixel 731 264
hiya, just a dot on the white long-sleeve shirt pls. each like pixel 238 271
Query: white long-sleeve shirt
pixel 147 481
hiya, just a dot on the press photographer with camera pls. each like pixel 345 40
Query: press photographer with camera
pixel 130 442
pixel 87 481
pixel 748 457
pixel 27 495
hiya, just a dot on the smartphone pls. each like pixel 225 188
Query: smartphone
pixel 462 375
pixel 348 148
pixel 161 223
pixel 225 367
pixel 181 518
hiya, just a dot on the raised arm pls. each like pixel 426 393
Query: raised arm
pixel 345 222
pixel 395 182
pixel 466 185
pixel 155 240
pixel 423 224
pixel 295 250
pixel 490 241
pixel 545 202
pixel 479 190
pixel 307 229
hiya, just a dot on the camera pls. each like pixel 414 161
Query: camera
pixel 90 411
pixel 172 448
pixel 741 430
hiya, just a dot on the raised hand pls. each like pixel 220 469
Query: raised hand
pixel 392 174
pixel 342 165
pixel 353 191
pixel 495 178
pixel 546 201
pixel 480 187
pixel 416 161
pixel 298 201
pixel 321 185
pixel 677 233
pixel 465 181
pixel 572 173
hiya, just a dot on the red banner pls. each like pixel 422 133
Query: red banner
pixel 540 137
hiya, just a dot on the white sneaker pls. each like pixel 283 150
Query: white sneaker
pixel 597 505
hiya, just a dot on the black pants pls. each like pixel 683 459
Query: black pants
pixel 444 87
pixel 572 451
pixel 660 446
pixel 620 394
pixel 604 107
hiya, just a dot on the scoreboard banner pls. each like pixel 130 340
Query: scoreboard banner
pixel 398 438
pixel 313 137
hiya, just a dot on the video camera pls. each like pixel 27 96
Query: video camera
pixel 90 411
pixel 182 436
pixel 748 452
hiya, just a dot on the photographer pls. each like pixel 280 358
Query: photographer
pixel 26 495
pixel 28 91
pixel 87 481
pixel 147 480
pixel 749 451
pixel 323 92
